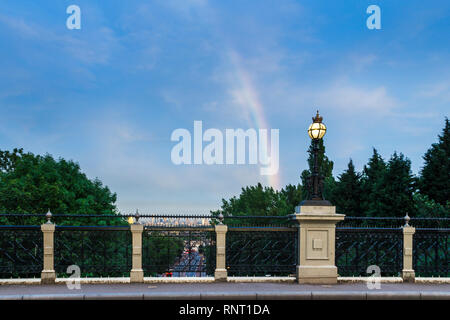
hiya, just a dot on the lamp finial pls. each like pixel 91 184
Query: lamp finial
pixel 318 118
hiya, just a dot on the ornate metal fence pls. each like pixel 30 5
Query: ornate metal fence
pixel 98 251
pixel 178 251
pixel 20 251
pixel 358 248
pixel 186 246
pixel 261 251
pixel 431 255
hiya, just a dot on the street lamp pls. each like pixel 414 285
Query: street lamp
pixel 316 131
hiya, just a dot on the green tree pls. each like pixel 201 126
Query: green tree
pixel 398 186
pixel 261 201
pixel 428 208
pixel 293 196
pixel 372 189
pixel 254 200
pixel 35 184
pixel 434 178
pixel 347 192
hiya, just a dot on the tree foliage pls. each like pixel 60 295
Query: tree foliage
pixel 398 185
pixel 347 193
pixel 435 174
pixel 261 201
pixel 35 184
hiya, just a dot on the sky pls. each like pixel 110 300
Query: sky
pixel 110 94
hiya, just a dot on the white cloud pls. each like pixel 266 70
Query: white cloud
pixel 349 98
pixel 439 90
pixel 94 47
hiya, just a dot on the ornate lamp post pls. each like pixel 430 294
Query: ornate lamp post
pixel 316 131
pixel 317 220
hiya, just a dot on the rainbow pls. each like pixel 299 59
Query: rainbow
pixel 249 99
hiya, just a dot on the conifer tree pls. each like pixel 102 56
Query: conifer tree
pixel 397 187
pixel 372 180
pixel 435 174
pixel 347 193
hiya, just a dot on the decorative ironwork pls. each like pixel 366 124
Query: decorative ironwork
pixel 261 251
pixel 20 251
pixel 358 248
pixel 431 252
pixel 186 246
pixel 98 251
pixel 178 252
pixel 394 222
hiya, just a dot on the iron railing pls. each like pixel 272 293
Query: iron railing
pixel 261 251
pixel 359 248
pixel 20 251
pixel 185 245
pixel 431 255
pixel 98 251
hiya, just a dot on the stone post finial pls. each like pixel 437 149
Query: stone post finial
pixel 136 216
pixel 220 217
pixel 48 216
pixel 407 218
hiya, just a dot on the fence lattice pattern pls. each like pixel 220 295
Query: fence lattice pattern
pixel 358 248
pixel 186 246
pixel 99 252
pixel 431 252
pixel 259 253
pixel 20 251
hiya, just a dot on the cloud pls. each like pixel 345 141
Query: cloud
pixel 362 61
pixel 349 98
pixel 438 90
pixel 93 47
pixel 293 99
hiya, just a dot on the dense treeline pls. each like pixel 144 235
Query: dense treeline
pixel 34 184
pixel 383 188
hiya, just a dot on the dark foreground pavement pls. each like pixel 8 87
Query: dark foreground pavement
pixel 227 291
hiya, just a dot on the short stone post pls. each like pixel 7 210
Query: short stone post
pixel 48 274
pixel 408 273
pixel 220 273
pixel 317 243
pixel 136 274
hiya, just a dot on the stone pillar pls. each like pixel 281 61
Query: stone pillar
pixel 317 244
pixel 48 274
pixel 221 272
pixel 408 273
pixel 136 274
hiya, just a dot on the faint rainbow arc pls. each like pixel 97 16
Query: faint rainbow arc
pixel 250 100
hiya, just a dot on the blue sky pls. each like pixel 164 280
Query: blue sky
pixel 109 95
